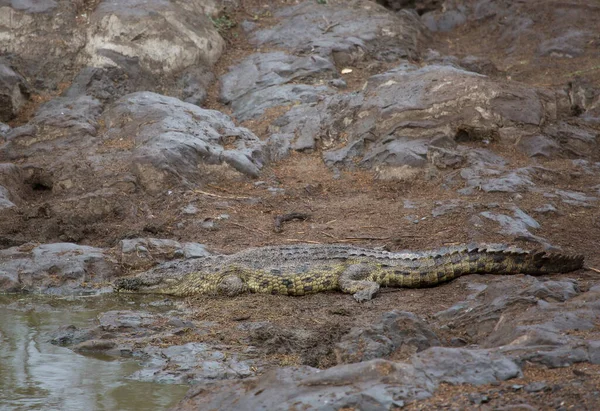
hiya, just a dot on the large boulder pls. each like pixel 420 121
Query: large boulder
pixel 166 140
pixel 172 44
pixel 520 27
pixel 400 113
pixel 347 31
pixel 61 268
pixel 143 142
pixel 267 80
pixel 44 37
pixel 151 141
pixel 163 37
pixel 372 385
pixel 546 322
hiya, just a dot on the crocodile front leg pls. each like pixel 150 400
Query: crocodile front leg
pixel 352 281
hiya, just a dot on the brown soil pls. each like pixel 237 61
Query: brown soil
pixel 354 207
pixel 572 388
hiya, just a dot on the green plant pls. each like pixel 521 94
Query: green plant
pixel 223 23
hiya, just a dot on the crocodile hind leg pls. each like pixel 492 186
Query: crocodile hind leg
pixel 232 285
pixel 353 281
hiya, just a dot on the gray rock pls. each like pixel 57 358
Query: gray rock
pixel 265 70
pixel 182 136
pixel 536 386
pixel 576 140
pixel 13 94
pixel 347 32
pixel 560 357
pixel 69 335
pixel 519 27
pixel 444 21
pixel 64 127
pixel 510 182
pixel 463 366
pixel 584 99
pixel 576 198
pixel 179 145
pixel 443 209
pixel 539 146
pixel 302 126
pixel 518 225
pixel 397 331
pixel 107 84
pixel 190 209
pixel 529 320
pixel 5 199
pixel 494 178
pixel 478 316
pixel 61 268
pixel 161 37
pixel 410 204
pixel 594 351
pixel 12 181
pixel 191 363
pixel 371 385
pixel 545 209
pixel 134 334
pixel 397 152
pixel 445 158
pixel 4 129
pixel 41 6
pixel 254 104
pixel 69 118
pixel 391 123
pixel 113 321
pixel 570 44
pixel 45 37
pixel 193 83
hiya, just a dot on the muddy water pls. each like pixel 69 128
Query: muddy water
pixel 36 375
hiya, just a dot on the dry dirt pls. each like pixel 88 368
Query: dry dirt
pixel 354 207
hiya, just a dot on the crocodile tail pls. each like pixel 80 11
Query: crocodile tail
pixel 447 267
pixel 516 261
pixel 545 263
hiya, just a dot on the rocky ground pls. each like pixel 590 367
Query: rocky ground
pixel 140 132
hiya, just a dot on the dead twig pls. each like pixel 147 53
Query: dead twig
pixel 280 219
pixel 247 228
pixel 326 29
pixel 302 241
pixel 216 187
pixel 593 269
pixel 367 238
pixel 329 235
pixel 219 196
pixel 329 26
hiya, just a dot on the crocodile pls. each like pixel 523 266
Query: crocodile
pixel 306 269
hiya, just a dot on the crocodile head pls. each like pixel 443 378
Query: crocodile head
pixel 147 284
